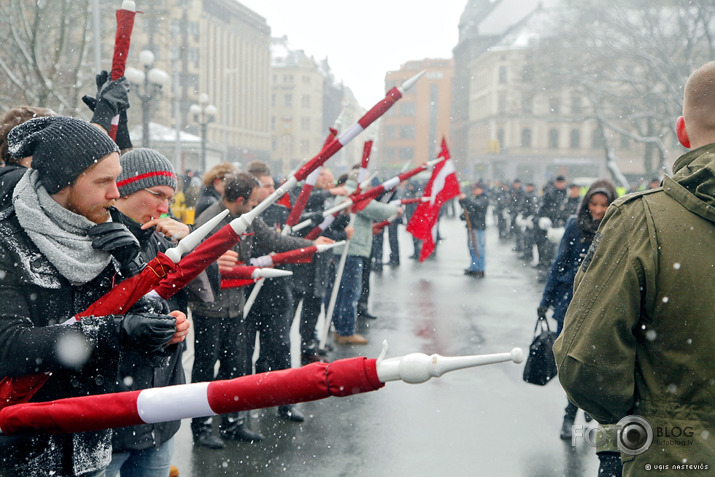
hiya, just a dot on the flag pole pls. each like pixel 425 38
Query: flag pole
pixel 334 293
pixel 125 25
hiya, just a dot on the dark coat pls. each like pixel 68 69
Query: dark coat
pixel 148 371
pixel 35 297
pixel 559 283
pixel 207 197
pixel 476 207
pixel 260 239
pixel 10 175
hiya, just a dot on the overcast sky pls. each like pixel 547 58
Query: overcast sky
pixel 364 39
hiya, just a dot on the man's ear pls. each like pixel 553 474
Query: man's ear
pixel 240 200
pixel 682 133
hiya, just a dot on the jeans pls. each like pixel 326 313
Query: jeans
pixel 478 262
pixel 149 462
pixel 348 295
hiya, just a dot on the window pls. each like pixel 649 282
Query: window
pixel 407 132
pixel 305 101
pixel 407 109
pixel 389 132
pixel 288 100
pixel 527 105
pixel 554 105
pixel 192 56
pixel 553 138
pixel 526 137
pixel 502 74
pixel 576 105
pixel 575 139
pixel 501 106
pixel 305 124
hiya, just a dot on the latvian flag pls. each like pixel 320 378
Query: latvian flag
pixel 442 186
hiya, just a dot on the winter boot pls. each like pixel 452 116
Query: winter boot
pixel 233 426
pixel 290 413
pixel 204 434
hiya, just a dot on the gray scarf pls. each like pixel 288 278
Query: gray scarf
pixel 60 234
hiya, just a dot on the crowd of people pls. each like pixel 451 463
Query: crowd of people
pixel 80 212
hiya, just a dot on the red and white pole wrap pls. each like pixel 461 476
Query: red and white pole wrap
pixel 340 378
pixel 125 25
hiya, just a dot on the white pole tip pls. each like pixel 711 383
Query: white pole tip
pixel 517 355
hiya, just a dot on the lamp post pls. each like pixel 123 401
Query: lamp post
pixel 152 80
pixel 204 114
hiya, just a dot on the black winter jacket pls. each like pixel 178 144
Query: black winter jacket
pixel 35 300
pixel 148 371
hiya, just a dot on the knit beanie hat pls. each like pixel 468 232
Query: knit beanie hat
pixel 143 168
pixel 61 148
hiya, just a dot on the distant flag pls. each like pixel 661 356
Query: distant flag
pixel 442 186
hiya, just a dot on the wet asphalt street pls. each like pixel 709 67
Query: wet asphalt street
pixel 479 421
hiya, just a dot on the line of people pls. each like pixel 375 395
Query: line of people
pixel 77 218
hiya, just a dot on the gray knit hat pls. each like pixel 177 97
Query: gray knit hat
pixel 143 168
pixel 61 148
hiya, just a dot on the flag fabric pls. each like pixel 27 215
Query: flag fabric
pixel 441 187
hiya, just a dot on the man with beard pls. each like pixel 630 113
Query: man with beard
pixel 50 271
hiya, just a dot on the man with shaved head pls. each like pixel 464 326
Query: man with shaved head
pixel 636 348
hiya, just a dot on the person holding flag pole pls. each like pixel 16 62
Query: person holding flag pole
pixel 348 280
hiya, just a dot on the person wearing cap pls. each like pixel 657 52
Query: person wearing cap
pixel 474 209
pixel 146 187
pixel 550 215
pixel 54 263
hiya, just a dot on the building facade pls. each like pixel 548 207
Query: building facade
pixel 215 47
pixel 412 130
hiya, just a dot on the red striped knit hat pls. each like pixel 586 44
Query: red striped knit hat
pixel 144 168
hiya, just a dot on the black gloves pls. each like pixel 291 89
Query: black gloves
pixel 145 332
pixel 114 238
pixel 541 312
pixel 316 218
pixel 112 99
pixel 123 140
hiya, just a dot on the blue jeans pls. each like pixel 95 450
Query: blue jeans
pixel 348 296
pixel 478 262
pixel 150 462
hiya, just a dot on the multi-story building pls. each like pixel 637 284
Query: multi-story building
pixel 412 130
pixel 506 123
pixel 214 47
pixel 297 87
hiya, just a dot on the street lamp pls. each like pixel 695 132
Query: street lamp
pixel 204 113
pixel 152 79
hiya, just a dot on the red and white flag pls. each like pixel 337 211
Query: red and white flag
pixel 442 186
